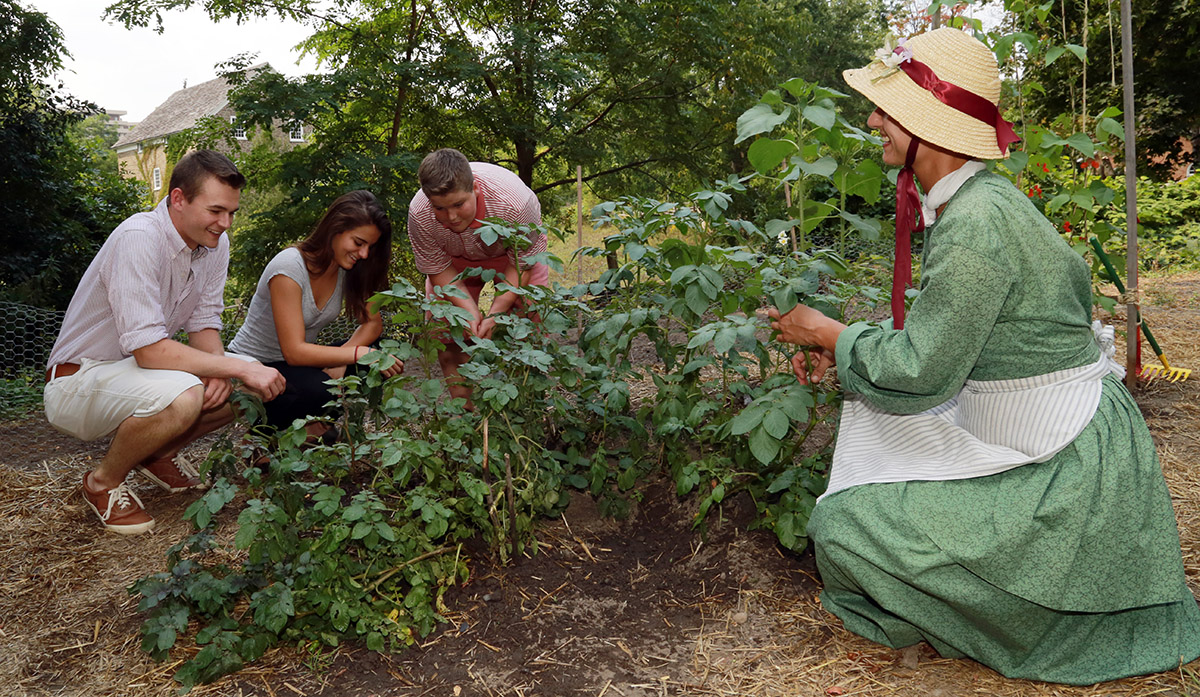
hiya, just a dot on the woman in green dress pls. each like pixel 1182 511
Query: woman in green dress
pixel 994 491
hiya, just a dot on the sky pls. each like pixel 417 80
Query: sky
pixel 135 70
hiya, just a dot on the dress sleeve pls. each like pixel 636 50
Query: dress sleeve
pixel 927 362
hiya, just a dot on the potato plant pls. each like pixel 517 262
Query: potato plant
pixel 360 539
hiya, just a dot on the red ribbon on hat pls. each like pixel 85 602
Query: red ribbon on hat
pixel 909 219
pixel 908 201
pixel 959 99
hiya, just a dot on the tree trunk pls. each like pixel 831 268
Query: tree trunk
pixel 525 159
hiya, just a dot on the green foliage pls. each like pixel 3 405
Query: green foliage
pixel 360 539
pixel 60 192
pixel 727 415
pixel 1073 46
pixel 802 142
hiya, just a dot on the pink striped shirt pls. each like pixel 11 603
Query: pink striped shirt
pixel 502 195
pixel 144 285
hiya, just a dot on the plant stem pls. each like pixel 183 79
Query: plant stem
pixel 403 565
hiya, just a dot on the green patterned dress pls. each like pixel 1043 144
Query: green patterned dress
pixel 1065 571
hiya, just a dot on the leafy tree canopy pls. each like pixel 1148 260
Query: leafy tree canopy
pixel 642 94
pixel 1166 68
pixel 60 193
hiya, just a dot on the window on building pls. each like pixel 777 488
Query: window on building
pixel 239 132
pixel 157 178
pixel 296 134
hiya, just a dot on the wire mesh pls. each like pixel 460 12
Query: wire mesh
pixel 27 335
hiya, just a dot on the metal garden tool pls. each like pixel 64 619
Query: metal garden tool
pixel 1149 372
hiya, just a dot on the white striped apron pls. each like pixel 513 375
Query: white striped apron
pixel 987 428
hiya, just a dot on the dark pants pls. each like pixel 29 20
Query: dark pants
pixel 305 394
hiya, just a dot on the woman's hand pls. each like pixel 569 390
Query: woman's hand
pixel 396 368
pixel 806 326
pixel 809 365
pixel 801 325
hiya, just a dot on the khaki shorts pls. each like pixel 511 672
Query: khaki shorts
pixel 93 402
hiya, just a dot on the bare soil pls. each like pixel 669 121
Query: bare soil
pixel 646 606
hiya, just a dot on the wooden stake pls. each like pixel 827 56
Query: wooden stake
pixel 1133 307
pixel 512 506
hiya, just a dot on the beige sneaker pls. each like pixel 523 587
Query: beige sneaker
pixel 119 509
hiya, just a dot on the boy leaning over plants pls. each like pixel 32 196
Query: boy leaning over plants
pixel 115 369
pixel 455 196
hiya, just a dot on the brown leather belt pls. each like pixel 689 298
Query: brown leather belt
pixel 61 370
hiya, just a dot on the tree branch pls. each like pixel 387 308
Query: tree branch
pixel 613 170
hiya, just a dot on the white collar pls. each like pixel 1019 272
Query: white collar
pixel 946 187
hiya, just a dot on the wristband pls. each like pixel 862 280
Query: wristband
pixel 356 348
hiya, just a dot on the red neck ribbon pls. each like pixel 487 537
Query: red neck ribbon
pixel 908 201
pixel 908 220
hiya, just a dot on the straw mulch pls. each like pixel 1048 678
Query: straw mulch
pixel 69 627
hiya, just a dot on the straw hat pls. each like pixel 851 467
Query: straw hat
pixel 956 57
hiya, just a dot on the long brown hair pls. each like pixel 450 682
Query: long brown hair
pixel 370 275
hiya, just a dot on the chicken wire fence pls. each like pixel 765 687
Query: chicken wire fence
pixel 27 334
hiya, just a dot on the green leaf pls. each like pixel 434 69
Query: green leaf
pixel 763 446
pixel 824 167
pixel 1017 161
pixel 766 154
pixel 385 531
pixel 746 421
pixel 776 423
pixel 697 300
pixel 1083 144
pixel 724 340
pixel 783 481
pixel 869 227
pixel 820 115
pixel 1057 202
pixel 1079 51
pixel 1110 127
pixel 760 118
pixel 1053 53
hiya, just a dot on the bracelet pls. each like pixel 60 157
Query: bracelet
pixel 356 348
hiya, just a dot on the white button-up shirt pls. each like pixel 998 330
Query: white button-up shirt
pixel 144 285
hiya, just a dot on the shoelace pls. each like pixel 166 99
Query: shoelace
pixel 186 466
pixel 120 496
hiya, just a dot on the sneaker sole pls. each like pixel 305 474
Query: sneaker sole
pixel 136 529
pixel 163 485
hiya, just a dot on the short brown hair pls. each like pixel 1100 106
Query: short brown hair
pixel 443 171
pixel 195 167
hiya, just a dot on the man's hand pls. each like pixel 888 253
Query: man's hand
pixel 810 365
pixel 266 382
pixel 216 392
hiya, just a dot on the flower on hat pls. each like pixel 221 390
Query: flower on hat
pixel 893 53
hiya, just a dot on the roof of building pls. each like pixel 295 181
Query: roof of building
pixel 181 110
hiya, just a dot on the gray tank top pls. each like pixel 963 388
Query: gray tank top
pixel 257 337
